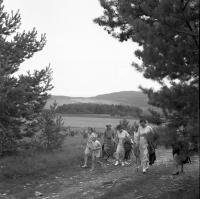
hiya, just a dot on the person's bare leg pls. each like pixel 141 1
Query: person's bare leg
pixel 117 159
pixel 85 160
pixel 144 166
pixel 176 172
pixel 137 163
pixel 99 162
pixel 93 163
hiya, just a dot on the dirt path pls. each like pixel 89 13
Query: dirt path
pixel 118 183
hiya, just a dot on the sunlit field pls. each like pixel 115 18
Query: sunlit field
pixel 92 121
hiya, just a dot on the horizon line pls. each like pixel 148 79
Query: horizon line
pixel 59 95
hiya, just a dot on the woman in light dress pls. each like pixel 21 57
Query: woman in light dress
pixel 121 135
pixel 136 141
pixel 143 132
pixel 89 146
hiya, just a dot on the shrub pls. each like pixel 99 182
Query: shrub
pixel 30 163
pixel 167 135
pixel 154 117
pixel 51 135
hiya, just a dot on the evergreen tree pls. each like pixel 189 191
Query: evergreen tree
pixel 22 97
pixel 168 33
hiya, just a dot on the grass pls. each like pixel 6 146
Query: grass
pixel 37 164
pixel 95 122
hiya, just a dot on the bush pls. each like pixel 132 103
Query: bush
pixel 167 136
pixel 154 117
pixel 44 163
pixel 51 135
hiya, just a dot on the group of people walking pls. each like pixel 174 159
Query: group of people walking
pixel 119 144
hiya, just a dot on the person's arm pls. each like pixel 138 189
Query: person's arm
pixel 153 137
pixel 104 136
pixel 113 135
pixel 116 139
pixel 97 146
pixel 129 137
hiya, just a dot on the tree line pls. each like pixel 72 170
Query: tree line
pixel 90 108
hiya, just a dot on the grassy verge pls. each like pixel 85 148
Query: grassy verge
pixel 37 164
pixel 41 164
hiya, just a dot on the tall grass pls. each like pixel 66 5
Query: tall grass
pixel 31 163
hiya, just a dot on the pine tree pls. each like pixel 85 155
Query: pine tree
pixel 22 97
pixel 168 33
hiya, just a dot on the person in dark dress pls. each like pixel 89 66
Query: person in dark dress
pixel 127 148
pixel 108 147
pixel 180 151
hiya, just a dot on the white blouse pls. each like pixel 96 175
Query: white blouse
pixel 121 136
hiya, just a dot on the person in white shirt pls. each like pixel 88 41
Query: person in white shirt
pixel 121 135
pixel 93 148
pixel 143 132
pixel 89 146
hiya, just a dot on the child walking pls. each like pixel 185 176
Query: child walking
pixel 93 148
pixel 96 153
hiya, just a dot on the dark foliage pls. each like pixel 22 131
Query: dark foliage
pixel 89 108
pixel 21 97
pixel 168 33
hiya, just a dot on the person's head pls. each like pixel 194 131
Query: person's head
pixel 143 122
pixel 180 131
pixel 119 128
pixel 91 130
pixel 135 126
pixel 182 128
pixel 93 137
pixel 108 126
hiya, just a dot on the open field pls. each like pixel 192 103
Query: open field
pixel 36 164
pixel 94 121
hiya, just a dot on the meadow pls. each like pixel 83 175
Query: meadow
pixel 93 120
pixel 41 164
pixel 34 163
pixel 40 167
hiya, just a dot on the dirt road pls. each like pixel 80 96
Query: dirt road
pixel 116 183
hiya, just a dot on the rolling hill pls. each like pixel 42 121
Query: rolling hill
pixel 131 98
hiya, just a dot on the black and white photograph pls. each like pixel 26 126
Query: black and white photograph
pixel 99 99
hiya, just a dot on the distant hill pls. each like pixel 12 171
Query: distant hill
pixel 131 98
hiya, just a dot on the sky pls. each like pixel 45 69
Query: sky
pixel 85 59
